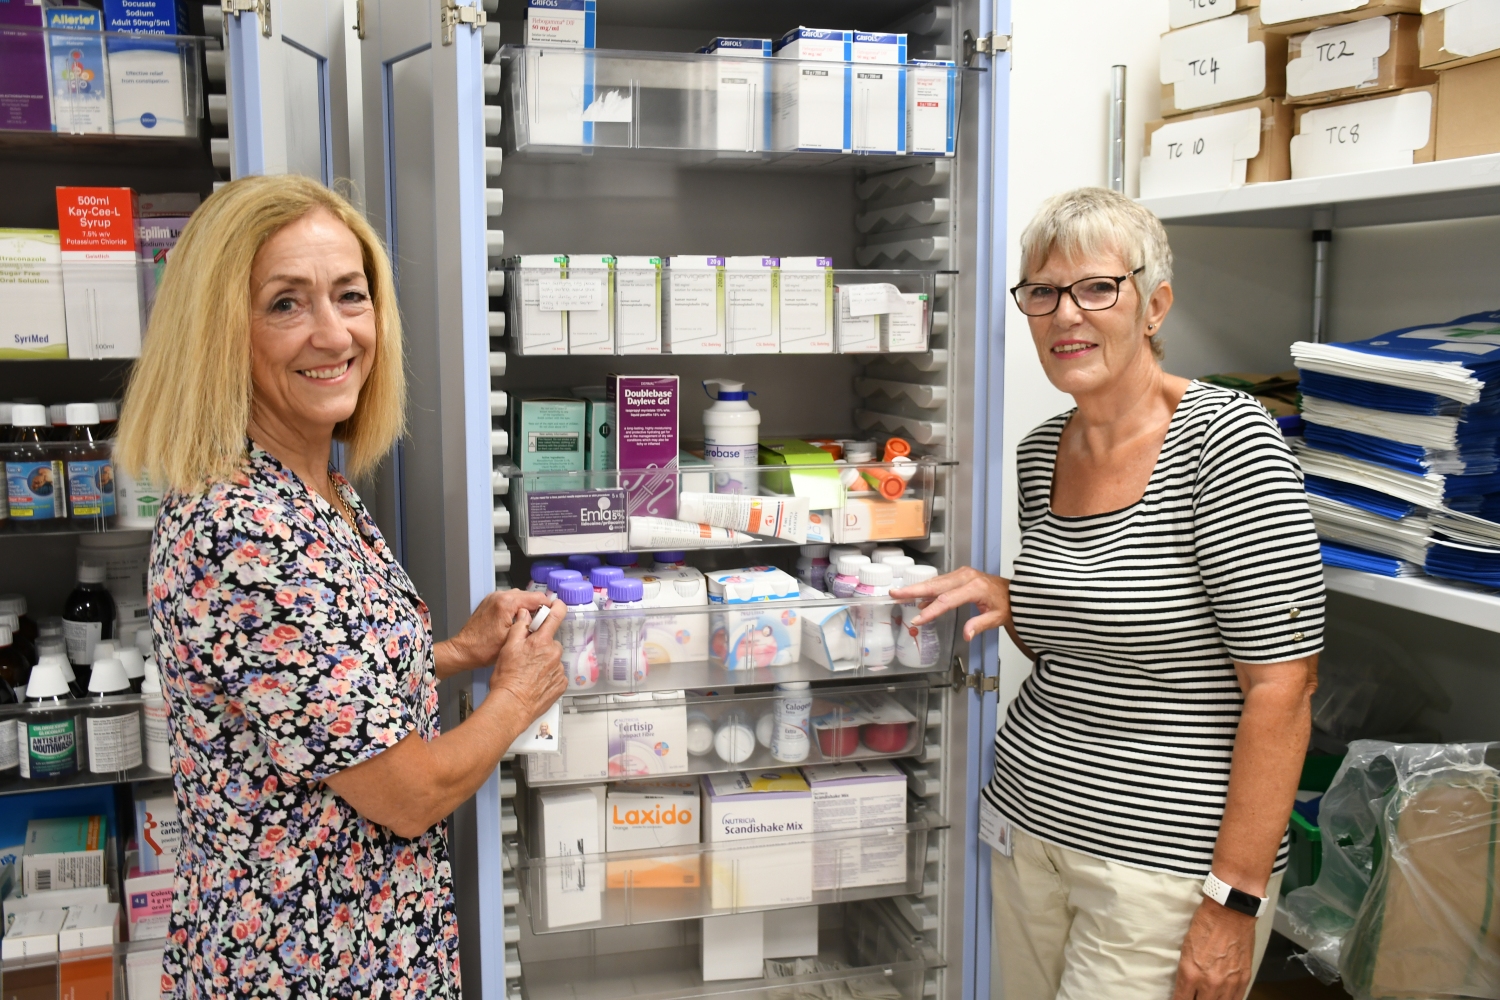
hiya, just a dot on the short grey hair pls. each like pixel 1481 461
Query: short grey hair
pixel 1091 222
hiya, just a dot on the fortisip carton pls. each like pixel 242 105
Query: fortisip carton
pixel 638 307
pixel 146 76
pixel 805 305
pixel 812 101
pixel 570 827
pixel 644 815
pixel 877 95
pixel 750 299
pixel 645 409
pixel 101 290
pixel 591 307
pixel 693 313
pixel 755 627
pixel 646 737
pixel 679 638
pixel 772 810
pixel 858 795
pixel 76 71
pixel 32 323
pixel 931 108
pixel 742 92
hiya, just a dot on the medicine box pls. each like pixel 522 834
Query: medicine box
pixel 64 853
pixel 646 443
pixel 1222 61
pixel 638 307
pixel 805 310
pixel 156 237
pixel 93 925
pixel 537 330
pixel 146 76
pixel 1459 35
pixel 732 946
pixel 644 815
pixel 583 746
pixel 812 101
pixel 148 903
pixel 693 308
pixel 591 308
pixel 877 97
pixel 646 737
pixel 563 24
pixel 742 92
pixel 931 107
pixel 32 323
pixel 562 521
pixel 1368 133
pixel 76 70
pixel 23 70
pixel 871 520
pixel 792 933
pixel 158 832
pixel 1218 149
pixel 101 288
pixel 32 933
pixel 857 334
pixel 679 638
pixel 570 826
pixel 750 299
pixel 903 330
pixel 803 477
pixel 774 809
pixel 1375 55
pixel 858 795
pixel 599 441
pixel 751 631
pixel 549 433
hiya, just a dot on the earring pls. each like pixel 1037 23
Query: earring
pixel 1151 326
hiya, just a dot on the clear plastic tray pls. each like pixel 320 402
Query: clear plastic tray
pixel 127 971
pixel 87 495
pixel 620 888
pixel 80 774
pixel 860 722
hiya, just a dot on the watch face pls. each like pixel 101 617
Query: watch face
pixel 1243 902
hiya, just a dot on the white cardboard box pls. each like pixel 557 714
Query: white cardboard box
pixel 541 332
pixel 143 967
pixel 645 815
pixel 92 925
pixel 148 903
pixel 877 95
pixel 805 317
pixel 32 319
pixel 591 330
pixel 731 946
pixel 582 750
pixel 680 638
pixel 792 933
pixel 638 305
pixel 930 107
pixel 101 296
pixel 750 305
pixel 774 809
pixel 32 933
pixel 742 92
pixel 856 334
pixel 693 308
pixel 903 330
pixel 646 738
pixel 858 795
pixel 812 101
pixel 749 629
pixel 569 822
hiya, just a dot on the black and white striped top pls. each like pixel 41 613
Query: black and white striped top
pixel 1118 744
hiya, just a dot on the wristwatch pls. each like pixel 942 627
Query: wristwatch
pixel 1228 896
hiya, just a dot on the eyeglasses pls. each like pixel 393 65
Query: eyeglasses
pixel 1089 294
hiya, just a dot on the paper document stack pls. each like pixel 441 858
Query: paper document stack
pixel 1402 449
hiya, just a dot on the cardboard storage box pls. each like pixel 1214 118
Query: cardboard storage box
pixel 1468 110
pixel 645 815
pixel 1462 33
pixel 1181 13
pixel 1223 61
pixel 1293 17
pixel 1369 133
pixel 775 809
pixel 1373 56
pixel 1256 148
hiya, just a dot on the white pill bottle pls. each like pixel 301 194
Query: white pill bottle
pixel 731 437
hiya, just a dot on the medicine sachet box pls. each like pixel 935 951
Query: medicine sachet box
pixel 646 737
pixel 774 809
pixel 877 95
pixel 750 300
pixel 693 308
pixel 32 317
pixel 812 101
pixel 101 287
pixel 805 310
pixel 742 92
pixel 858 795
pixel 931 107
pixel 644 815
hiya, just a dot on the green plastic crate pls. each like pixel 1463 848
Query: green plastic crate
pixel 1305 842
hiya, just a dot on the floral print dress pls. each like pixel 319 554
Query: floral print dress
pixel 292 648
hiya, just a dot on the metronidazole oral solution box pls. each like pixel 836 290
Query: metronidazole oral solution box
pixel 32 323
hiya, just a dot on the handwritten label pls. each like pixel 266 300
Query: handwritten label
pixel 1369 135
pixel 1200 154
pixel 1277 11
pixel 1181 13
pixel 1472 27
pixel 872 300
pixel 994 829
pixel 555 295
pixel 1343 56
pixel 1213 62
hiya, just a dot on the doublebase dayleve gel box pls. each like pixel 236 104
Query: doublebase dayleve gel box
pixel 773 809
pixel 146 76
pixel 805 313
pixel 750 300
pixel 693 309
pixel 101 289
pixel 645 409
pixel 32 323
pixel 742 92
pixel 931 107
pixel 812 100
pixel 644 815
pixel 877 97
pixel 867 795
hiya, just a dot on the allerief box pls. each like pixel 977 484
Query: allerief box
pixel 1223 61
pixel 1468 110
pixel 773 808
pixel 1461 33
pixel 1370 133
pixel 1372 56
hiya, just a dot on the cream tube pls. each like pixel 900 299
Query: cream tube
pixel 662 532
pixel 778 517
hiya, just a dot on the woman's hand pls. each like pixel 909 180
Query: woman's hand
pixel 529 668
pixel 1217 955
pixel 479 642
pixel 990 594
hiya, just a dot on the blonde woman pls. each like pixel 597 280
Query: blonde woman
pixel 298 659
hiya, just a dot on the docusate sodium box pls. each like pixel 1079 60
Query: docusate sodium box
pixel 644 815
pixel 877 95
pixel 101 291
pixel 750 305
pixel 858 795
pixel 742 92
pixel 646 445
pixel 805 310
pixel 773 809
pixel 931 110
pixel 145 75
pixel 32 323
pixel 693 308
pixel 812 101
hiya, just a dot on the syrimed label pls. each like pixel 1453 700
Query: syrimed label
pixel 34 490
pixel 583 512
pixel 48 747
pixel 91 488
pixel 114 742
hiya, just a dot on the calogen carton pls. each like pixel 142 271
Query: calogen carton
pixel 32 323
pixel 693 308
pixel 772 809
pixel 742 92
pixel 644 815
pixel 877 96
pixel 930 107
pixel 646 737
pixel 812 101
pixel 865 795
pixel 805 307
pixel 678 638
pixel 750 301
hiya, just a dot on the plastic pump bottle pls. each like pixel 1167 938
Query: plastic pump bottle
pixel 576 633
pixel 916 645
pixel 848 575
pixel 877 641
pixel 731 437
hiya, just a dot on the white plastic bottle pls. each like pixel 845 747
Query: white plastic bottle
pixel 734 740
pixel 154 706
pixel 112 727
pixel 812 565
pixel 672 559
pixel 731 437
pixel 916 645
pixel 627 659
pixel 877 641
pixel 576 633
pixel 847 579
pixel 834 555
pixel 884 553
pixel 791 737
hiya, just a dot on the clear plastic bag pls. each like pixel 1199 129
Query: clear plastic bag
pixel 1405 902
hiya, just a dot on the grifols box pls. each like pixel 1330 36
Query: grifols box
pixel 645 408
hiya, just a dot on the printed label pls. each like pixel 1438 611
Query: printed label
pixel 585 512
pixel 1368 135
pixel 91 488
pixel 34 490
pixel 114 742
pixel 158 750
pixel 80 638
pixel 1226 75
pixel 51 748
pixel 10 746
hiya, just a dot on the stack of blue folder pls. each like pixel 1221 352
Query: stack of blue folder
pixel 1402 449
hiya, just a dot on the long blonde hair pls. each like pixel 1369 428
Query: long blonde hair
pixel 187 407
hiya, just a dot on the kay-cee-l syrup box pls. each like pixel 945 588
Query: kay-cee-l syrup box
pixel 101 290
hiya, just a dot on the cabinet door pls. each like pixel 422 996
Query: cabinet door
pixel 288 87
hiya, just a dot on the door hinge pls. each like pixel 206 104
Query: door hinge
pixel 465 705
pixel 359 19
pixel 976 681
pixel 454 15
pixel 991 45
pixel 260 8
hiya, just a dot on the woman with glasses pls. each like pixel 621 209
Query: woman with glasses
pixel 1169 593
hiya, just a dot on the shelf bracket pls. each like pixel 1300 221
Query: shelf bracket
pixel 455 14
pixel 990 45
pixel 260 8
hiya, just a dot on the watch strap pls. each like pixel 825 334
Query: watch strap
pixel 1229 897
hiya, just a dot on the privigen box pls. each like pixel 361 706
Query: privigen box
pixel 644 815
pixel 101 291
pixel 804 317
pixel 877 92
pixel 774 809
pixel 812 101
pixel 693 308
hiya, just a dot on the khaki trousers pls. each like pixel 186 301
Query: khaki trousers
pixel 1073 927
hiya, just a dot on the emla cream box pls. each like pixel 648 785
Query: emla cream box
pixel 858 795
pixel 804 315
pixel 570 827
pixel 693 313
pixel 877 93
pixel 32 323
pixel 750 300
pixel 772 811
pixel 643 816
pixel 812 100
